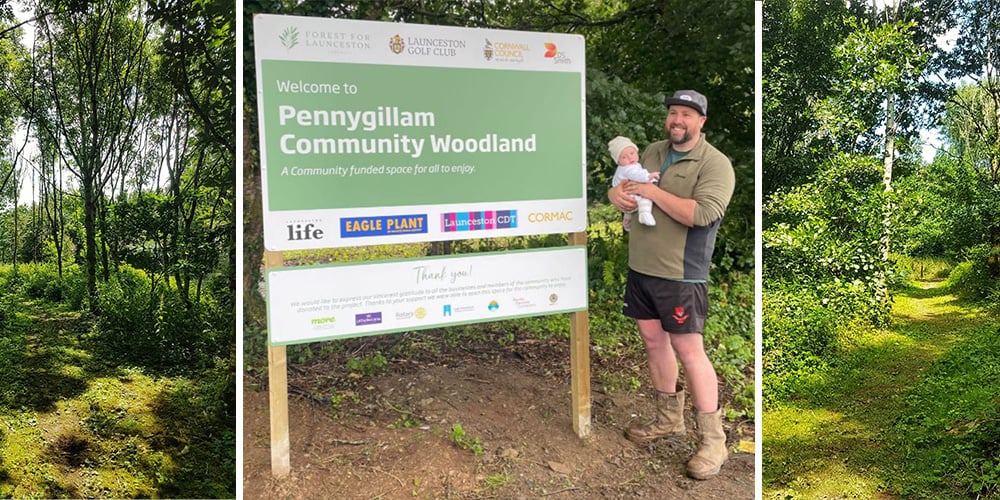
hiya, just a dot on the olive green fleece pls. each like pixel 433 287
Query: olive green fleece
pixel 670 249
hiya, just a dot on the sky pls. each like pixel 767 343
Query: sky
pixel 27 39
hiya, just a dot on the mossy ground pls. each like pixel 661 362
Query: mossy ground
pixel 76 425
pixel 862 428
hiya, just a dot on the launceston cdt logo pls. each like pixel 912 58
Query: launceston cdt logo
pixel 425 46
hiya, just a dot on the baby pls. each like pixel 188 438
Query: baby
pixel 626 155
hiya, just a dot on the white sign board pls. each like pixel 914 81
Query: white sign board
pixel 307 304
pixel 378 133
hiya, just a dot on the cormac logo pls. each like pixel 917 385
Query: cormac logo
pixel 475 221
pixel 550 50
pixel 536 217
pixel 290 37
pixel 384 225
pixel 396 44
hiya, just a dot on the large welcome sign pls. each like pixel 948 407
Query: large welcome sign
pixel 384 133
pixel 375 133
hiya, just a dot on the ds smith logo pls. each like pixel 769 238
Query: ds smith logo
pixel 298 232
pixel 290 37
pixel 551 52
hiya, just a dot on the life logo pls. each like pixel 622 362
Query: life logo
pixel 552 52
pixel 304 231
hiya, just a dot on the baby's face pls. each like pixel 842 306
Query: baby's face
pixel 628 156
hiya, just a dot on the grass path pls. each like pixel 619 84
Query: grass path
pixel 839 435
pixel 72 424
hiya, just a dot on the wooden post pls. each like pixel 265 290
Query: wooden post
pixel 579 360
pixel 277 388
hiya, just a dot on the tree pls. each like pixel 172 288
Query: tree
pixel 972 122
pixel 94 62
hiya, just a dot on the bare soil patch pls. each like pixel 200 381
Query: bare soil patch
pixel 395 438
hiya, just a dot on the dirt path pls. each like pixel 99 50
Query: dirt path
pixel 397 439
pixel 834 439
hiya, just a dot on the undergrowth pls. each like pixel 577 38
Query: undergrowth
pixel 85 413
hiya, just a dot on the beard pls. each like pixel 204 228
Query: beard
pixel 678 135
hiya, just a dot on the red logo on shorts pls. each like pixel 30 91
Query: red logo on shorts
pixel 680 316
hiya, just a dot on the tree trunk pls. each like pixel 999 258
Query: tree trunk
pixel 90 231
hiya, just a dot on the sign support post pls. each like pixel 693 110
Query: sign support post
pixel 277 389
pixel 579 360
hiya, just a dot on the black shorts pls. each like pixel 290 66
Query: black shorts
pixel 680 306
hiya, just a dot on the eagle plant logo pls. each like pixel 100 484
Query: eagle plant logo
pixel 290 37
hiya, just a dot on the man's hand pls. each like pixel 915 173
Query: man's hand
pixel 621 200
pixel 679 209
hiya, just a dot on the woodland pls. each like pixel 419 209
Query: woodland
pixel 881 249
pixel 117 249
pixel 637 53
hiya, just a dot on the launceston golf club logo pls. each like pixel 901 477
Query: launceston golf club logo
pixel 396 44
pixel 290 37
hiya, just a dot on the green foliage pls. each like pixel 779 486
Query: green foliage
pixel 464 442
pixel 951 422
pixel 729 335
pixel 368 366
pixel 825 236
pixel 607 269
pixel 152 326
pixel 614 108
pixel 971 279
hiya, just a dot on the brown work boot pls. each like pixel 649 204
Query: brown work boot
pixel 669 419
pixel 712 452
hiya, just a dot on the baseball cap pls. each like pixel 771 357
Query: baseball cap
pixel 689 98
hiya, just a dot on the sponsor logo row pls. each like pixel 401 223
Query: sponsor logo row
pixel 420 313
pixel 493 50
pixel 390 225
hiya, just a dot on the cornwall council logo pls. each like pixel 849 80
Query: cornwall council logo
pixel 290 37
pixel 488 50
pixel 396 44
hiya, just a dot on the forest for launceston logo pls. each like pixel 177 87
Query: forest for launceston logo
pixel 290 37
